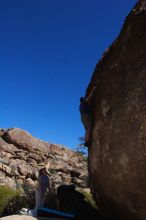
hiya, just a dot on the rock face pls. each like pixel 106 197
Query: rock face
pixel 117 151
pixel 22 155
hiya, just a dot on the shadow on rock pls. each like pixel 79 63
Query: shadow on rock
pixel 71 200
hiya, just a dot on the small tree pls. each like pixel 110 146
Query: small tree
pixel 81 148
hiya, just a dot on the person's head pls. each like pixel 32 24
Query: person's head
pixel 82 99
pixel 43 171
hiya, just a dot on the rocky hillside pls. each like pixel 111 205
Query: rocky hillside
pixel 21 154
pixel 117 150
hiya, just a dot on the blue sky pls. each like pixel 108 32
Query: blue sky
pixel 48 52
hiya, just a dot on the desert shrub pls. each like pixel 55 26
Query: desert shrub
pixel 7 194
pixel 17 203
pixel 12 201
pixel 88 198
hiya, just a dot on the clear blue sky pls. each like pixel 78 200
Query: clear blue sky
pixel 48 51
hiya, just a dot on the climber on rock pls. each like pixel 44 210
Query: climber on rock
pixel 85 112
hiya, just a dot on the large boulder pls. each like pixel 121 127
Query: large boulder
pixel 117 149
pixel 71 200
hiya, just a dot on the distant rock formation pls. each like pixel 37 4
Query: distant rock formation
pixel 22 155
pixel 117 151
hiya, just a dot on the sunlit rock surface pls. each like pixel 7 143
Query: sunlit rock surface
pixel 117 151
pixel 22 154
pixel 18 217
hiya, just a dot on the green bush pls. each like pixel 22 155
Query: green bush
pixel 6 195
pixel 12 201
pixel 88 198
